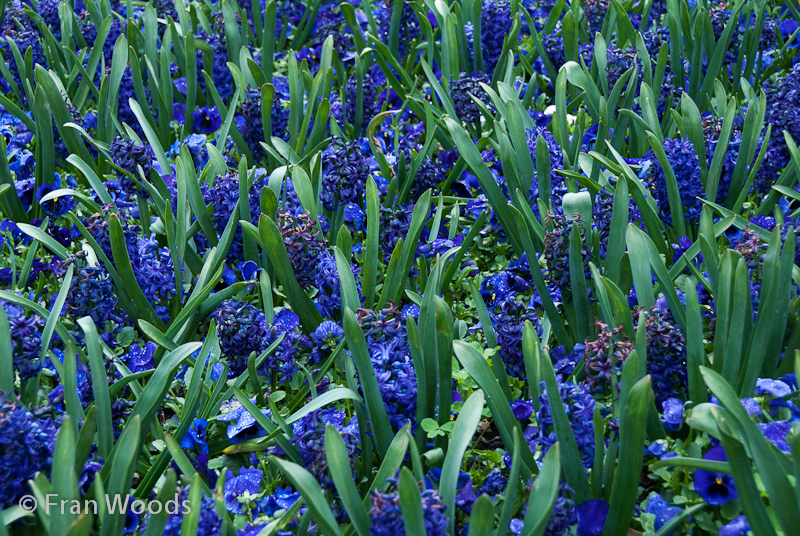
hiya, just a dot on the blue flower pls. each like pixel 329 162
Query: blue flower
pixel 466 496
pixel 26 340
pixel 344 173
pixel 55 207
pixel 326 337
pixel 592 517
pixel 209 523
pixel 463 89
pixel 93 294
pixel 140 359
pixel 495 26
pixel 390 354
pixel 508 325
pixel 522 410
pixel 682 158
pixel 239 490
pixel 563 515
pixel 26 447
pixel 386 517
pixel 672 415
pixel 196 437
pixel 309 436
pixel 207 120
pixel 666 356
pixel 494 484
pixel 715 488
pixel 776 432
pixel 245 426
pixel 579 405
pixel 737 527
pixel 777 388
pixel 663 511
pixel 242 329
pixel 282 499
pixel 370 105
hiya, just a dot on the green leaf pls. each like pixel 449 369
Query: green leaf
pixel 631 453
pixel 6 358
pixel 130 284
pixel 580 295
pixel 466 424
pixel 50 325
pixel 481 520
pixel 152 396
pixel 489 186
pixel 307 485
pixel 44 238
pixel 379 421
pixel 695 353
pixel 477 367
pixel 102 399
pixel 271 242
pixel 348 289
pixel 749 497
pixel 640 266
pixel 543 493
pixel 342 476
pixel 120 471
pixel 570 455
pixel 411 504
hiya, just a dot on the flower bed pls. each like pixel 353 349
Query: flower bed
pixel 477 268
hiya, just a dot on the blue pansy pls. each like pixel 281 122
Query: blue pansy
pixel 282 499
pixel 244 425
pixel 196 437
pixel 715 488
pixel 239 490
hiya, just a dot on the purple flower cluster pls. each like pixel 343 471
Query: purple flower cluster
pixel 666 356
pixel 309 436
pixel 241 328
pixel 26 447
pixel 387 342
pixel 579 406
pixel 344 174
pixel 683 161
pixel 495 26
pixel 26 340
pixel 386 518
pixel 508 324
pixel 463 89
pixel 604 356
pixel 303 244
pixel 556 250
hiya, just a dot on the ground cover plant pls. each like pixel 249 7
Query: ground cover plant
pixel 399 267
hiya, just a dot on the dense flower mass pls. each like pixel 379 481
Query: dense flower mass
pixel 400 267
pixel 386 516
pixel 462 91
pixel 26 447
pixel 682 158
pixel 344 174
pixel 241 328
